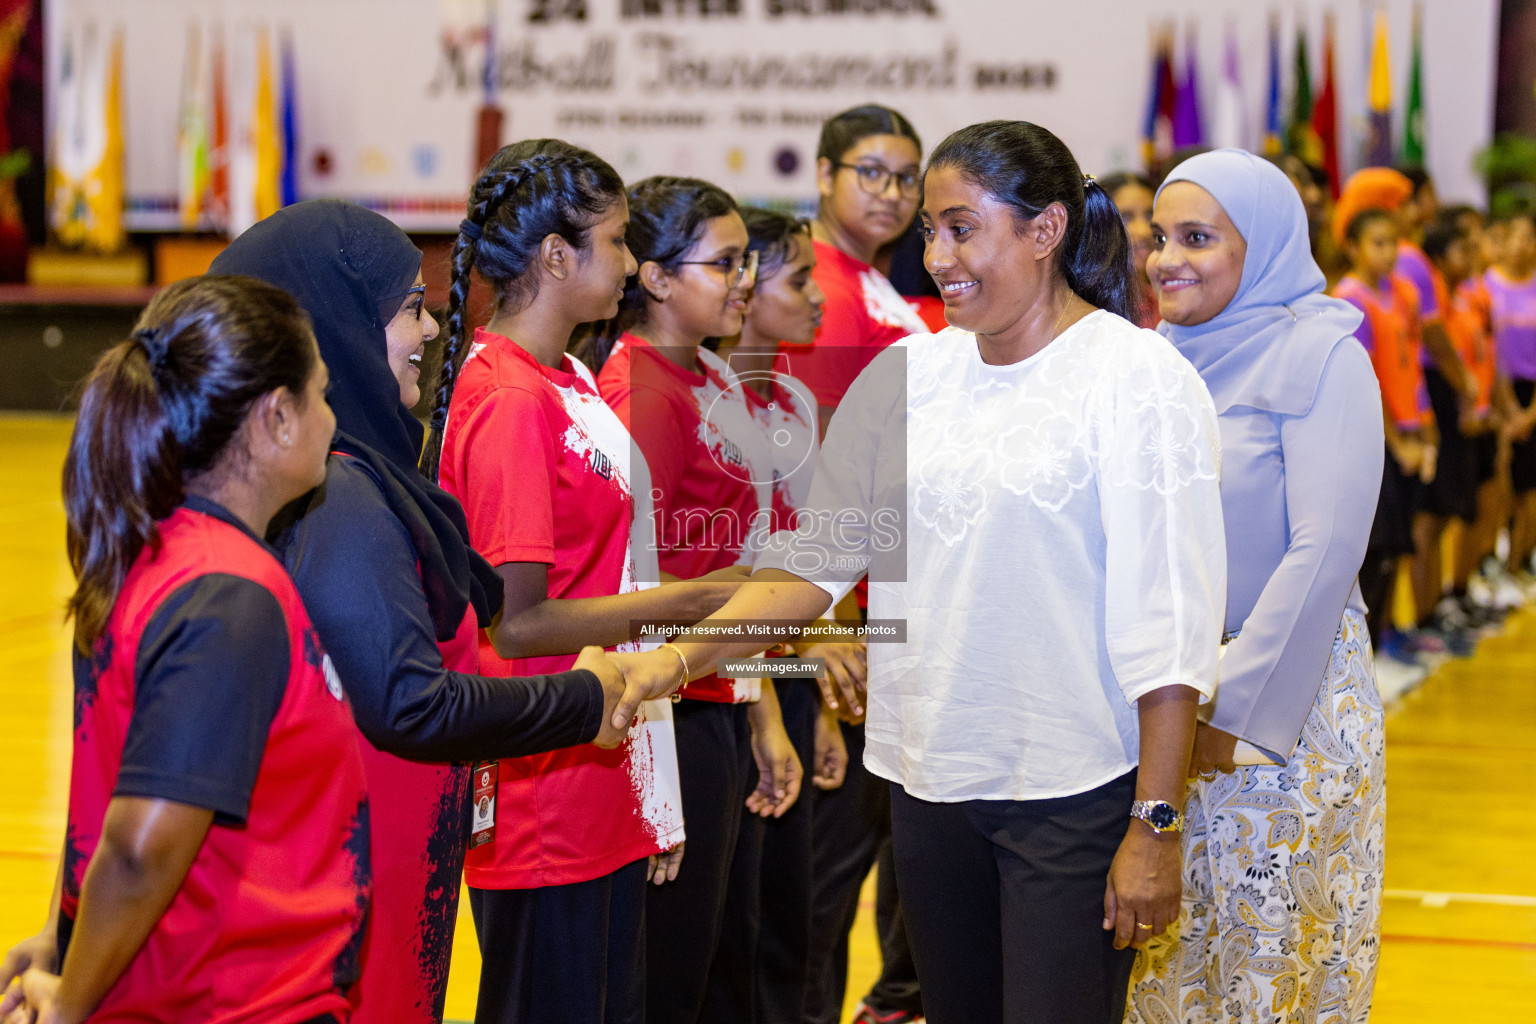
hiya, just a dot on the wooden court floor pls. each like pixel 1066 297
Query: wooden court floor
pixel 1459 939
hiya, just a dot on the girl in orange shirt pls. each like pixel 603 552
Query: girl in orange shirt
pixel 1390 333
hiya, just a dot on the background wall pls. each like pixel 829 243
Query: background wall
pixel 734 90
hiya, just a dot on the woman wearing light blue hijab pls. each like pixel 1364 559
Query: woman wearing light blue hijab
pixel 1283 852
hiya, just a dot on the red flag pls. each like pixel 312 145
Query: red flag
pixel 1325 112
pixel 218 142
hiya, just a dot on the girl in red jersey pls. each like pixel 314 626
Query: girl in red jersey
pixel 216 860
pixel 557 502
pixel 1390 334
pixel 868 177
pixel 786 306
pixel 689 417
pixel 381 555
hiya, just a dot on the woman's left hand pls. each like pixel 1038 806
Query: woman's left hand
pixel 1141 897
pixel 1214 751
pixel 662 867
pixel 778 770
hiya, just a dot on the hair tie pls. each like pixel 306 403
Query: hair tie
pixel 470 230
pixel 148 339
pixel 1089 179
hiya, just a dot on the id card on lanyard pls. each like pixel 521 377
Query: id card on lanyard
pixel 482 826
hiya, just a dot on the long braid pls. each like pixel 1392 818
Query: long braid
pixel 527 191
pixel 490 192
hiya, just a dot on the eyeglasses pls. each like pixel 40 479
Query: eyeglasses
pixel 739 271
pixel 875 179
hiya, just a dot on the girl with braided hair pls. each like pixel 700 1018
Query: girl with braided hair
pixel 558 502
pixel 383 557
pixel 690 417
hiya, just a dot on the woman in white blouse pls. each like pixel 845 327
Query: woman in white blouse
pixel 1057 562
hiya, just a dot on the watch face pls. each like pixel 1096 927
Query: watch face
pixel 1162 815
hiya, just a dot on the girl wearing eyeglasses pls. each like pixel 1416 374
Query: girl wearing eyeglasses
pixel 690 418
pixel 869 176
pixel 558 502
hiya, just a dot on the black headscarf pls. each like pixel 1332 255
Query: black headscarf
pixel 350 268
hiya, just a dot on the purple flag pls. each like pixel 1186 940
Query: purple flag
pixel 1188 126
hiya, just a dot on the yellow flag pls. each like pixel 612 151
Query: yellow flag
pixel 268 144
pixel 1381 68
pixel 1378 150
pixel 106 234
pixel 85 179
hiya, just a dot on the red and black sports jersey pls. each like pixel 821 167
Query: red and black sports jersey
pixel 209 688
pixel 713 501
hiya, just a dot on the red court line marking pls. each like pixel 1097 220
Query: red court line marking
pixel 1439 940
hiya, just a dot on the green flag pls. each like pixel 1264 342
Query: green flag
pixel 1300 138
pixel 1413 116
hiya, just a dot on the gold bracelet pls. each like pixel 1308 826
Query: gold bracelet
pixel 677 695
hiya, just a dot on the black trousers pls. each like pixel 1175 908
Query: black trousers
pixel 851 827
pixel 1004 904
pixel 784 933
pixel 684 919
pixel 564 954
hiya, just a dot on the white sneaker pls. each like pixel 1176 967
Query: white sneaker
pixel 1507 592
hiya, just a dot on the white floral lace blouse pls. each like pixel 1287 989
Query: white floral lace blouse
pixel 1050 532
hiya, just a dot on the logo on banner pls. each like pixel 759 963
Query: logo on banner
pixel 424 159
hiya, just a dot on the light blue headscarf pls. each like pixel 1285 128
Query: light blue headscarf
pixel 1267 348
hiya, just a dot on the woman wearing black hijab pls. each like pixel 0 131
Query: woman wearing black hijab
pixel 382 559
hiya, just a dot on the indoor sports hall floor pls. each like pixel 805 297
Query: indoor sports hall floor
pixel 1460 916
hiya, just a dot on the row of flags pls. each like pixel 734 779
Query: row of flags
pixel 1307 126
pixel 235 138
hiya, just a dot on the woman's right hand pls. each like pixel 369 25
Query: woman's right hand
pixel 620 702
pixel 652 674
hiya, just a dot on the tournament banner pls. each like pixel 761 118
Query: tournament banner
pixel 394 102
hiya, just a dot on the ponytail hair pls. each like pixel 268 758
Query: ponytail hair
pixel 527 192
pixel 667 217
pixel 1026 167
pixel 162 408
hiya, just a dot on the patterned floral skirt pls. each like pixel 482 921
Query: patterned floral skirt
pixel 1281 921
